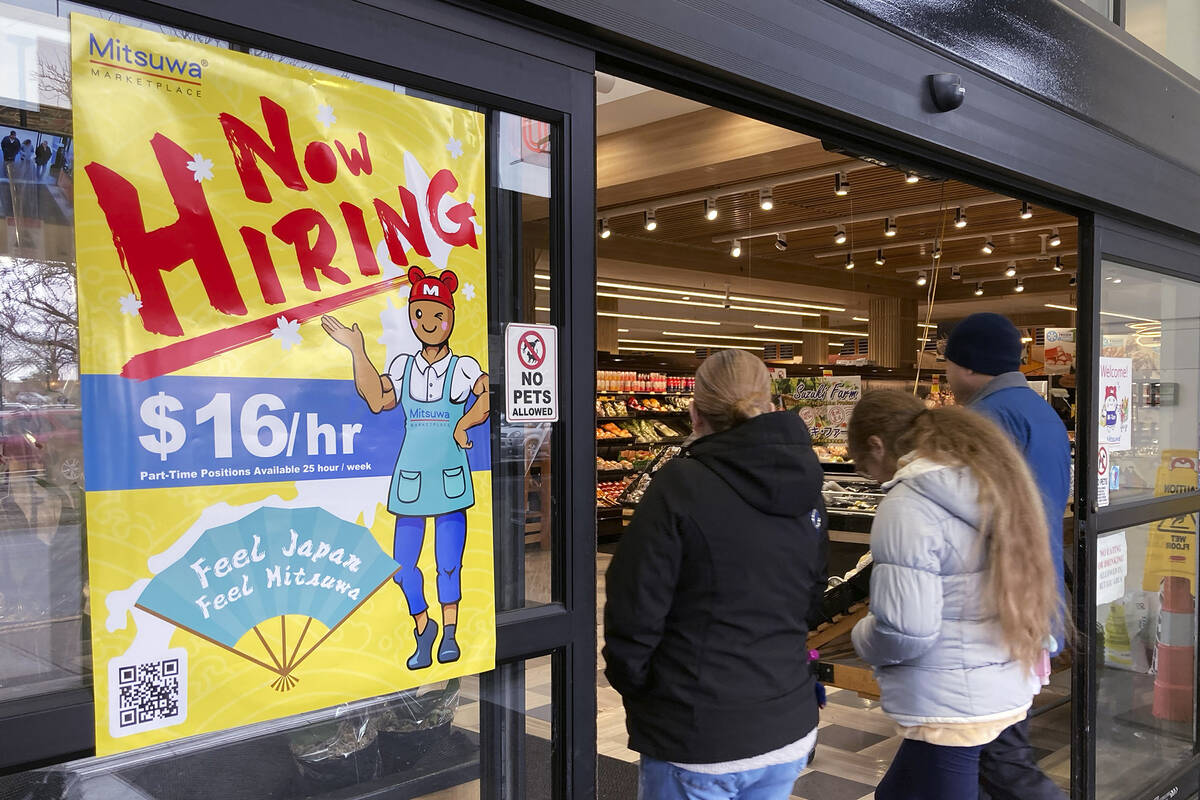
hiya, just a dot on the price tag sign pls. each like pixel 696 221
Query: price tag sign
pixel 531 373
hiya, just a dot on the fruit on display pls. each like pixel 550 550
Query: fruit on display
pixel 608 493
pixel 832 453
pixel 604 464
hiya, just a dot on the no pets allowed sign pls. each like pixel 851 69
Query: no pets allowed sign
pixel 531 373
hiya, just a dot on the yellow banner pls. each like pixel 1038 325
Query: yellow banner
pixel 283 345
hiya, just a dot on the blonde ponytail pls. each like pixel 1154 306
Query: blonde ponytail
pixel 732 386
pixel 1021 579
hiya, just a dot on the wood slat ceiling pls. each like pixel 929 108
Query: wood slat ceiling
pixel 875 192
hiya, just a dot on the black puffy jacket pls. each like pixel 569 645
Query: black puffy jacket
pixel 704 627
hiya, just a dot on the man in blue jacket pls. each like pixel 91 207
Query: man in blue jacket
pixel 983 358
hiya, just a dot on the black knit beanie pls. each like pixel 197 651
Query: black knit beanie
pixel 985 343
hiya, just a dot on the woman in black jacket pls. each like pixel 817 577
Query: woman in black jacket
pixel 705 632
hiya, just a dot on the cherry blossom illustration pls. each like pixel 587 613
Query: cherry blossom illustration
pixel 130 305
pixel 201 167
pixel 325 115
pixel 287 332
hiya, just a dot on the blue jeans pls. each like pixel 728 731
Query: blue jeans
pixel 449 541
pixel 923 771
pixel 660 780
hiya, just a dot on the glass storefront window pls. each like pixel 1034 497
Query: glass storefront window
pixel 1146 658
pixel 427 741
pixel 1172 27
pixel 1149 382
pixel 43 597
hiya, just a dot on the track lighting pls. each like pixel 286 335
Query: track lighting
pixel 1073 281
pixel 1055 240
pixel 651 220
pixel 735 249
pixel 1020 287
pixel 979 290
pixel 605 231
pixel 840 236
pixel 889 226
pixel 841 184
pixel 849 261
pixel 960 218
pixel 781 242
pixel 955 274
pixel 879 259
pixel 989 247
pixel 1058 267
pixel 1012 269
pixel 911 177
pixel 937 252
pixel 922 278
pixel 766 198
pixel 1026 211
pixel 710 209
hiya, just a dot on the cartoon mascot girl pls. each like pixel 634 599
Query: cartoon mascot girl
pixel 431 477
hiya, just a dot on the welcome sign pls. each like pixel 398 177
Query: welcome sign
pixel 283 343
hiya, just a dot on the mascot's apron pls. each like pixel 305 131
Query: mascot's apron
pixel 432 476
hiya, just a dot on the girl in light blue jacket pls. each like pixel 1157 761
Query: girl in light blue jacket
pixel 963 591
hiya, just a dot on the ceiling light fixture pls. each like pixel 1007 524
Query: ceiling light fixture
pixel 606 284
pixel 735 249
pixel 879 259
pixel 988 247
pixel 1020 287
pixel 922 278
pixel 619 315
pixel 650 219
pixel 685 344
pixel 605 231
pixel 710 209
pixel 889 226
pixel 911 177
pixel 1060 308
pixel 979 290
pixel 1055 240
pixel 841 184
pixel 937 252
pixel 849 261
pixel 746 338
pixel 1058 265
pixel 781 242
pixel 1073 281
pixel 955 274
pixel 766 198
pixel 1012 269
pixel 1026 210
pixel 861 319
pixel 833 331
pixel 840 236
pixel 656 350
pixel 960 218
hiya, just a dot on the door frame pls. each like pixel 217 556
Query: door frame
pixel 506 67
pixel 1115 240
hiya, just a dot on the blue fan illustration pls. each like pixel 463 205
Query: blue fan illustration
pixel 274 562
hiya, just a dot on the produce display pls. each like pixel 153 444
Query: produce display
pixel 832 453
pixel 622 381
pixel 608 493
pixel 604 464
pixel 609 406
pixel 643 431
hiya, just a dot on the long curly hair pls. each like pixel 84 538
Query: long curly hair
pixel 1021 580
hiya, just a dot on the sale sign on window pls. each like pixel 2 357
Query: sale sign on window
pixel 283 334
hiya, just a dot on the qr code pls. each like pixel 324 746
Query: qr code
pixel 147 694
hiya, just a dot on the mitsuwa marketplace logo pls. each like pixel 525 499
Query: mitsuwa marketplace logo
pixel 107 52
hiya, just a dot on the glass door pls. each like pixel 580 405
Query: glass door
pixel 1143 431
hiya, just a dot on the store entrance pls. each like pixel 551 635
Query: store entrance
pixel 719 231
